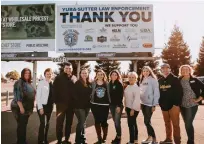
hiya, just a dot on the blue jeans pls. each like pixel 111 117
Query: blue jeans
pixel 132 124
pixel 117 119
pixel 188 115
pixel 81 115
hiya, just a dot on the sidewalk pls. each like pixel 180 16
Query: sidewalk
pixel 9 128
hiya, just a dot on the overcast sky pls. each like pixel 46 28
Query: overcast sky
pixel 187 15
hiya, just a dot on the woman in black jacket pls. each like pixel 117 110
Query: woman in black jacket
pixel 193 93
pixel 116 105
pixel 82 104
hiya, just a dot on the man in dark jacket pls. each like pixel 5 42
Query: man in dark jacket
pixel 63 87
pixel 170 100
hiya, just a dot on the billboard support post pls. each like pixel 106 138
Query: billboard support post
pixel 34 74
pixel 78 68
pixel 135 65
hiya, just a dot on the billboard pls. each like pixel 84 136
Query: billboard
pixel 105 28
pixel 28 28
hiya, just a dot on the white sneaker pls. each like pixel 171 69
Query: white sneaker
pixel 148 140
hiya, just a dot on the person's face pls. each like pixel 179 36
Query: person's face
pixel 100 76
pixel 68 70
pixel 132 79
pixel 27 75
pixel 114 76
pixel 84 74
pixel 145 72
pixel 165 70
pixel 185 71
pixel 48 75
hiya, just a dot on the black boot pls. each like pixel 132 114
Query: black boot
pixel 105 133
pixel 117 140
pixel 98 132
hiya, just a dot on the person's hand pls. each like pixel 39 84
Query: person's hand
pixel 195 100
pixel 118 109
pixel 153 108
pixel 74 79
pixel 22 110
pixel 132 113
pixel 41 111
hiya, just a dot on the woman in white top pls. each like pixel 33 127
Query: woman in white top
pixel 44 105
pixel 149 95
pixel 132 104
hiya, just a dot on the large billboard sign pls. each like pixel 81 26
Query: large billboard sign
pixel 105 28
pixel 28 28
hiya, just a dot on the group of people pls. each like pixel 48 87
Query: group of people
pixel 72 96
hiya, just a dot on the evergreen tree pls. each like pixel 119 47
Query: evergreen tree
pixel 107 66
pixel 176 51
pixel 200 66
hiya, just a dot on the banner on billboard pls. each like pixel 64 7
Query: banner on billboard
pixel 105 28
pixel 28 28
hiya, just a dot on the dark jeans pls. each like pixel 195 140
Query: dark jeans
pixel 81 115
pixel 117 118
pixel 44 124
pixel 62 112
pixel 188 115
pixel 147 112
pixel 100 114
pixel 132 124
pixel 22 121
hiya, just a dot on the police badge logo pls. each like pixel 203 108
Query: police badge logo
pixel 70 37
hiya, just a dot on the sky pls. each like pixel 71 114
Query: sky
pixel 188 15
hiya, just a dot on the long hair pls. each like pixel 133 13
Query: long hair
pixel 119 77
pixel 104 75
pixel 81 79
pixel 23 74
pixel 150 71
pixel 190 69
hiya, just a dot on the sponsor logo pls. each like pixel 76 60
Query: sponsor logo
pixel 114 38
pixel 146 38
pixel 101 39
pixel 103 30
pixel 101 46
pixel 147 45
pixel 130 38
pixel 119 46
pixel 91 30
pixel 70 37
pixel 116 30
pixel 105 55
pixel 145 30
pixel 88 38
pixel 135 45
pixel 130 30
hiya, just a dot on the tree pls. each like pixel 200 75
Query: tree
pixel 176 51
pixel 199 71
pixel 107 66
pixel 141 63
pixel 13 75
pixel 74 63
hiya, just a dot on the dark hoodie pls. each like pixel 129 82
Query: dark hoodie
pixel 171 92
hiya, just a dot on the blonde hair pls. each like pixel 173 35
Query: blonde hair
pixel 150 71
pixel 189 67
pixel 133 73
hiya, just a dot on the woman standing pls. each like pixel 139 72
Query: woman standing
pixel 23 103
pixel 116 105
pixel 149 96
pixel 100 100
pixel 82 104
pixel 132 104
pixel 193 93
pixel 44 105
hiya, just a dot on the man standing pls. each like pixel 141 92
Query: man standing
pixel 63 96
pixel 170 99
